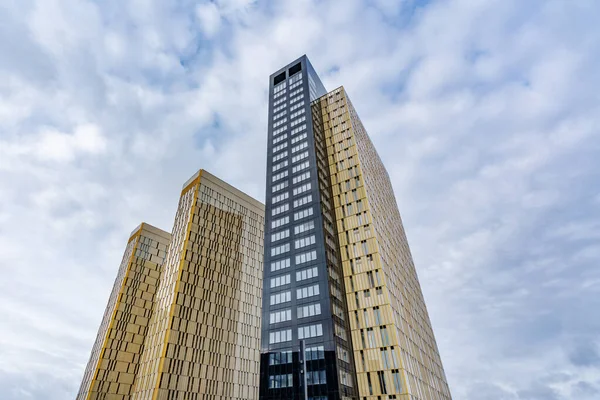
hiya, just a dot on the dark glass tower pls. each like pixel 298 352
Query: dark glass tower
pixel 303 289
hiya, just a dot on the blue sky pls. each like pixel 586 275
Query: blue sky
pixel 486 114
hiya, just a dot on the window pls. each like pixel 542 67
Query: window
pixel 302 201
pixel 384 358
pixel 280 197
pixel 280 156
pixel 301 177
pixel 279 186
pixel 298 129
pixel 303 213
pixel 307 291
pixel 314 353
pixel 282 297
pixel 280 235
pixel 303 242
pixel 280 381
pixel 300 167
pixel 382 384
pixel 297 121
pixel 299 138
pixel 305 332
pixel 280 122
pixel 307 274
pixel 299 147
pixel 279 176
pixel 277 167
pixel 385 340
pixel 280 209
pixel 345 378
pixel 371 337
pixel 305 227
pixel 301 189
pixel 281 114
pixel 284 248
pixel 280 280
pixel 279 147
pixel 295 99
pixel 279 130
pixel 280 316
pixel 315 377
pixel 397 381
pixel 279 222
pixel 280 264
pixel 309 310
pixel 306 257
pixel 377 314
pixel 300 156
pixel 297 105
pixel 284 357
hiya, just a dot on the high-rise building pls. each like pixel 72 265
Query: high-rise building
pixel 115 358
pixel 339 278
pixel 201 325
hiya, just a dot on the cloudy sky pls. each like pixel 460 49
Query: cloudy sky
pixel 485 112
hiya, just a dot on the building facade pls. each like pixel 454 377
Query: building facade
pixel 114 362
pixel 333 230
pixel 201 328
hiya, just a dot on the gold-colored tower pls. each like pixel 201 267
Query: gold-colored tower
pixel 395 352
pixel 114 362
pixel 199 336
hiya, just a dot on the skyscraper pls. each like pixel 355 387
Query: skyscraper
pixel 186 324
pixel 339 277
pixel 115 358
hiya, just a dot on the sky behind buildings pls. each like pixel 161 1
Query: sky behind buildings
pixel 485 113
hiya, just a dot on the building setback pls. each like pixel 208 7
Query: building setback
pixel 202 339
pixel 339 275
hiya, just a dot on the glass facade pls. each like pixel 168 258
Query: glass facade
pixel 345 284
pixel 306 302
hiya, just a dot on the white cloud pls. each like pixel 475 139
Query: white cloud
pixel 485 114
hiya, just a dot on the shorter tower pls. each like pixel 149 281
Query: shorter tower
pixel 115 357
pixel 183 320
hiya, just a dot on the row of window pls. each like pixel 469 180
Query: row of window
pixel 280 156
pixel 277 167
pixel 278 139
pixel 280 209
pixel 299 138
pixel 303 213
pixel 309 291
pixel 280 316
pixel 300 167
pixel 309 310
pixel 292 86
pixel 306 332
pixel 299 147
pixel 307 274
pixel 280 122
pixel 279 130
pixel 299 157
pixel 280 197
pixel 279 176
pixel 302 177
pixel 301 293
pixel 280 147
pixel 303 242
pixel 297 105
pixel 282 297
pixel 284 248
pixel 281 381
pixel 280 235
pixel 280 280
pixel 302 201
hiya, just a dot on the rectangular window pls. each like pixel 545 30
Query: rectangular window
pixel 284 357
pixel 280 316
pixel 280 235
pixel 303 213
pixel 307 274
pixel 284 248
pixel 302 201
pixel 279 186
pixel 298 129
pixel 279 222
pixel 280 280
pixel 309 310
pixel 300 167
pixel 280 336
pixel 280 197
pixel 307 291
pixel 305 227
pixel 302 177
pixel 280 156
pixel 279 298
pixel 280 209
pixel 306 257
pixel 299 147
pixel 297 105
pixel 397 381
pixel 280 122
pixel 301 189
pixel 279 147
pixel 305 332
pixel 277 167
pixel 297 121
pixel 300 156
pixel 279 176
pixel 299 138
pixel 303 242
pixel 280 264
pixel 280 381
